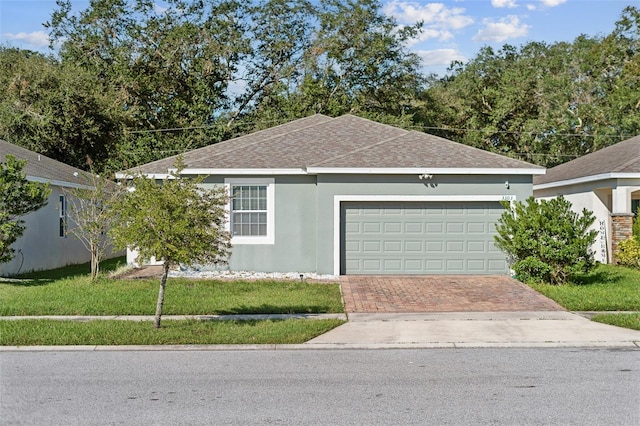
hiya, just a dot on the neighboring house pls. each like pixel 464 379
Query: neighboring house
pixel 606 182
pixel 46 242
pixel 351 196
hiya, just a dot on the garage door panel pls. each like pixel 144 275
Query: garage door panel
pixel 455 227
pixel 420 238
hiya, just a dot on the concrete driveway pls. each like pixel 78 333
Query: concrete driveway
pixel 461 311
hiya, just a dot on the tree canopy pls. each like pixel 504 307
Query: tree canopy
pixel 176 221
pixel 136 82
pixel 19 197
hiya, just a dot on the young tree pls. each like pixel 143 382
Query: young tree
pixel 19 197
pixel 546 241
pixel 176 221
pixel 91 209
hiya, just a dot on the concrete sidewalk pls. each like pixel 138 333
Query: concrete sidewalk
pixel 475 329
pixel 415 330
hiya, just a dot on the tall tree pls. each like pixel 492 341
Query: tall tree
pixel 91 209
pixel 173 62
pixel 19 197
pixel 58 109
pixel 174 220
pixel 544 103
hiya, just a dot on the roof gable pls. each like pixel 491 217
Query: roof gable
pixel 40 167
pixel 346 142
pixel 622 157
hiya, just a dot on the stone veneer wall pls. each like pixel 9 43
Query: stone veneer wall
pixel 621 229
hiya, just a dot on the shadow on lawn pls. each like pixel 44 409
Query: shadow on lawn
pixel 275 309
pixel 38 278
pixel 599 276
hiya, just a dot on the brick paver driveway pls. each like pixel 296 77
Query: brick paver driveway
pixel 440 293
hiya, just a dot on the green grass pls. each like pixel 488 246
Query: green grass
pixel 187 332
pixel 630 320
pixel 68 291
pixel 607 288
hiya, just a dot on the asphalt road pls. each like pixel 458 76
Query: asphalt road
pixel 324 387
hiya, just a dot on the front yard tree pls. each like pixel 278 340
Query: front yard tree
pixel 19 197
pixel 546 241
pixel 91 211
pixel 174 220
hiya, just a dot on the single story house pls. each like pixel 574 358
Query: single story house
pixel 348 195
pixel 606 182
pixel 46 242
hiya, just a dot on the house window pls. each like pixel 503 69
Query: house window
pixel 62 216
pixel 635 204
pixel 251 211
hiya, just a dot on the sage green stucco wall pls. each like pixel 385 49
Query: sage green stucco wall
pixel 294 248
pixel 402 185
pixel 304 212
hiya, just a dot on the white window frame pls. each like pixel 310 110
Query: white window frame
pixel 62 216
pixel 246 239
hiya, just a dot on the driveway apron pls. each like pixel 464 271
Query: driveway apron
pixel 440 293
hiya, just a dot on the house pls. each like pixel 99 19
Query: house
pixel 46 242
pixel 606 182
pixel 348 195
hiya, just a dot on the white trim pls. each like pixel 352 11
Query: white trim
pixel 147 175
pixel 271 198
pixel 346 170
pixel 240 172
pixel 586 179
pixel 425 170
pixel 58 183
pixel 338 199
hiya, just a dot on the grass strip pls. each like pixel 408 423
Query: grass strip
pixel 172 332
pixel 626 320
pixel 607 288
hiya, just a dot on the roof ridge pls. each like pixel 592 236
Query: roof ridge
pixel 269 138
pixel 236 139
pixel 359 149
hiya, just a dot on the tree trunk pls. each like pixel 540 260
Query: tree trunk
pixel 163 283
pixel 94 263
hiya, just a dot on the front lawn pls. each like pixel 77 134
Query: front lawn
pixel 76 295
pixel 69 291
pixel 607 288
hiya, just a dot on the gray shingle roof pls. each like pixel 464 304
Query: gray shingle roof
pixel 39 166
pixel 623 157
pixel 343 142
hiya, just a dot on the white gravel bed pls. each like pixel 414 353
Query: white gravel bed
pixel 195 273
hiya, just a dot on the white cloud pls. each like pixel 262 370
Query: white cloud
pixel 545 3
pixel 429 34
pixel 434 15
pixel 34 38
pixel 158 9
pixel 552 3
pixel 440 57
pixel 504 29
pixel 504 3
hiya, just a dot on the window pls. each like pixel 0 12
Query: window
pixel 62 216
pixel 251 211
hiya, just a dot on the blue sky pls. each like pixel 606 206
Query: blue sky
pixel 453 30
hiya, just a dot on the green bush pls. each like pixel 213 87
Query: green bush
pixel 546 241
pixel 629 253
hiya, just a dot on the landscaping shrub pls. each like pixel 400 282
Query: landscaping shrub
pixel 546 241
pixel 629 253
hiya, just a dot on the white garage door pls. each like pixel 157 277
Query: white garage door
pixel 420 238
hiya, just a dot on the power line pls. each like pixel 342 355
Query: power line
pixel 421 128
